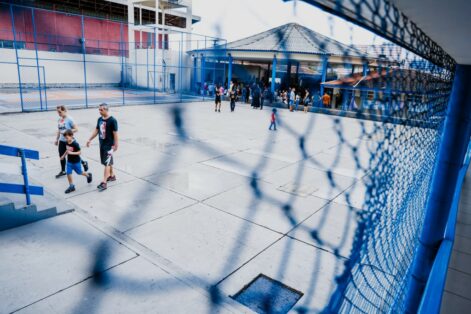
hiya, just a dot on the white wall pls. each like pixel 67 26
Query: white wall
pixel 67 69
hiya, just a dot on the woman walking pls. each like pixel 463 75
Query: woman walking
pixel 64 123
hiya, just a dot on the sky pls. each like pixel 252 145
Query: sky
pixel 236 19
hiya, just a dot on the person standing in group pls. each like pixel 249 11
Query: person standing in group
pixel 107 129
pixel 292 97
pixel 217 101
pixel 72 154
pixel 65 122
pixel 306 101
pixel 233 98
pixel 256 93
pixel 247 93
pixel 222 90
pixel 298 100
pixel 273 119
pixel 326 100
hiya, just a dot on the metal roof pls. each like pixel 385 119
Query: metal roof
pixel 291 38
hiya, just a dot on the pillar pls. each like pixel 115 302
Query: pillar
pixel 453 146
pixel 229 72
pixel 325 64
pixel 203 70
pixel 363 93
pixel 297 73
pixel 273 75
pixel 195 70
pixel 288 73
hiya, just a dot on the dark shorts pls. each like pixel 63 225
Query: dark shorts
pixel 106 155
pixel 218 100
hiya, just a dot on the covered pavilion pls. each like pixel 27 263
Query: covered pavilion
pixel 285 56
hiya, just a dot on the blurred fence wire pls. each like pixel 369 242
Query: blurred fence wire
pixel 405 93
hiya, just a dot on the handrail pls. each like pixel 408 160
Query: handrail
pixel 432 297
pixel 26 188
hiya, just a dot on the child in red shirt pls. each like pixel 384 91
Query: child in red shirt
pixel 273 119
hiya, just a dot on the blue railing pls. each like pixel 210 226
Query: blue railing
pixel 432 298
pixel 25 188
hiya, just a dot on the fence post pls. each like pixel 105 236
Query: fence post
pixel 84 61
pixel 24 171
pixel 37 58
pixel 121 46
pixel 16 54
pixel 453 146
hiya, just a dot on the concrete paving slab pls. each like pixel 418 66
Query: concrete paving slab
pixel 58 186
pixel 353 196
pixel 139 201
pixel 222 151
pixel 269 210
pixel 246 164
pixel 300 180
pixel 300 266
pixel 45 257
pixel 331 228
pixel 345 164
pixel 458 283
pixel 452 304
pixel 131 287
pixel 288 150
pixel 204 241
pixel 198 181
pixel 143 165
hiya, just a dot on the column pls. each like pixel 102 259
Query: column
pixel 203 70
pixel 325 65
pixel 229 72
pixel 195 74
pixel 273 75
pixel 288 73
pixel 363 93
pixel 297 73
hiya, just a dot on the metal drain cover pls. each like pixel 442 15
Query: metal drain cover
pixel 266 295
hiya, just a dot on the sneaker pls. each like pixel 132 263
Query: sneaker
pixel 219 110
pixel 70 189
pixel 89 178
pixel 60 174
pixel 111 179
pixel 85 165
pixel 102 186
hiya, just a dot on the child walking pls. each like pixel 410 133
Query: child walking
pixel 72 153
pixel 273 119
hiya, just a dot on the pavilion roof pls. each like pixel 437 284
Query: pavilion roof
pixel 291 38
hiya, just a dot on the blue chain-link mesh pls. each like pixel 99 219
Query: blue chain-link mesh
pixel 400 105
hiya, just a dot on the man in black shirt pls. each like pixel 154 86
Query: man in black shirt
pixel 107 129
pixel 72 152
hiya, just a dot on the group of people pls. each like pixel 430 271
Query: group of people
pixel 70 152
pixel 294 98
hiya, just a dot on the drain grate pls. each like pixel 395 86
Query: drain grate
pixel 266 295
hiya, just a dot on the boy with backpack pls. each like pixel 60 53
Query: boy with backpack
pixel 72 153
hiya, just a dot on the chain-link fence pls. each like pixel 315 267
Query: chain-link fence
pixel 51 58
pixel 372 239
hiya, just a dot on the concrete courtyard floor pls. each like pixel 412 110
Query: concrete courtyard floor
pixel 190 220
